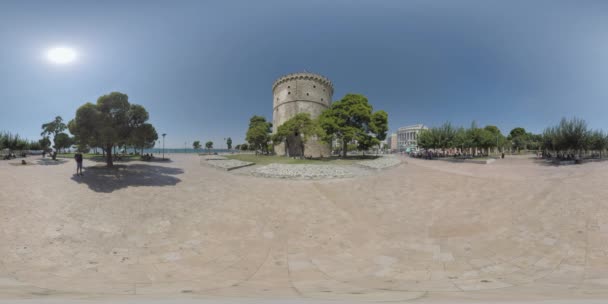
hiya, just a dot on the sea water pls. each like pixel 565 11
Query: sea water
pixel 156 151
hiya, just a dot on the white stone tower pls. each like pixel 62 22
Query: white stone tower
pixel 301 93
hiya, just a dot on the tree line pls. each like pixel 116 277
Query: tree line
pixel 14 142
pixel 572 136
pixel 196 145
pixel 350 120
pixel 569 136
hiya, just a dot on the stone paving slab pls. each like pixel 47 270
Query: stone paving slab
pixel 515 230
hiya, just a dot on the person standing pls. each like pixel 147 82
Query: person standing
pixel 78 158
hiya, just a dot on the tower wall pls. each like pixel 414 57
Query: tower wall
pixel 301 93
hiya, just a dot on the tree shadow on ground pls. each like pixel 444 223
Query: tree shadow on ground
pixel 50 162
pixel 107 180
pixel 123 160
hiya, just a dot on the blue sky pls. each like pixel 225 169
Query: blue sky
pixel 202 68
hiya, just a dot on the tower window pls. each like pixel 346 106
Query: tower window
pixel 314 86
pixel 307 94
pixel 288 92
pixel 289 87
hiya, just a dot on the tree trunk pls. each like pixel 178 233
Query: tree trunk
pixel 109 160
pixel 344 148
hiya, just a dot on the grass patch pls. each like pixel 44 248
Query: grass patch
pixel 273 159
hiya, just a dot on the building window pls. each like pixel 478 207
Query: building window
pixel 314 86
pixel 289 87
pixel 321 99
pixel 307 94
pixel 288 93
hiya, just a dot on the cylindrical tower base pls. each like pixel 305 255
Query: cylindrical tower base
pixel 301 93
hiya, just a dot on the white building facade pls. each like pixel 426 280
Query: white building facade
pixel 407 137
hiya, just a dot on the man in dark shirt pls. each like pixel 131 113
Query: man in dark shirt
pixel 78 158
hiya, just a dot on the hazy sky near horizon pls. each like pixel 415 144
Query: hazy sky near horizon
pixel 202 68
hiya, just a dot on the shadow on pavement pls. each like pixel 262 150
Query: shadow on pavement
pixel 50 162
pixel 106 180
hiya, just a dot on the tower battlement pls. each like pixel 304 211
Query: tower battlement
pixel 297 93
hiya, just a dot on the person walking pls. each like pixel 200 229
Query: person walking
pixel 78 158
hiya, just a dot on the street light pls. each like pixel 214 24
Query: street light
pixel 164 134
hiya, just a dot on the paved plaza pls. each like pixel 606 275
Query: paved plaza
pixel 433 231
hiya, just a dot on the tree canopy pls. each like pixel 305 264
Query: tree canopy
pixel 209 145
pixel 63 141
pixel 196 145
pixel 296 131
pixel 54 128
pixel 352 118
pixel 446 136
pixel 229 143
pixel 112 121
pixel 572 135
pixel 258 134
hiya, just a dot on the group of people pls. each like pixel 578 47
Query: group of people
pixel 147 157
pixel 10 155
pixel 430 154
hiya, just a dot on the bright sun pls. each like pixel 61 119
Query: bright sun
pixel 61 55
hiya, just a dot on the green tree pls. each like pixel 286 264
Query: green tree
pixel 499 140
pixel 519 139
pixel 574 134
pixel 571 136
pixel 209 145
pixel 296 131
pixel 237 147
pixel 143 136
pixel 53 128
pixel 62 141
pixel 427 139
pixel 229 143
pixel 598 141
pixel 196 145
pixel 12 141
pixel 517 132
pixel 258 134
pixel 45 143
pixel 110 122
pixel 351 118
pixel 244 147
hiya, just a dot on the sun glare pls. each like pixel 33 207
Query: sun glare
pixel 61 55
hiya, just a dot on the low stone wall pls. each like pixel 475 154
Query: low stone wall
pixel 480 161
pixel 380 162
pixel 471 161
pixel 302 171
pixel 227 164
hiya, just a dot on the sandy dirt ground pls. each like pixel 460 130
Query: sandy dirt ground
pixel 516 230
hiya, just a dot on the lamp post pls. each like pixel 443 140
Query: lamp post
pixel 164 134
